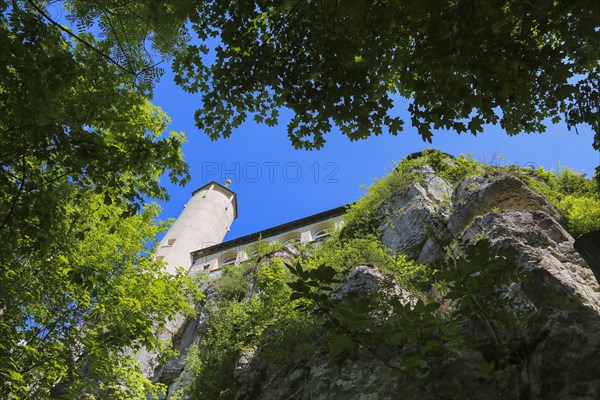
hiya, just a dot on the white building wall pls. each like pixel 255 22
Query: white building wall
pixel 212 263
pixel 204 221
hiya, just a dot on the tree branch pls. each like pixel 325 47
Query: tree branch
pixel 112 28
pixel 80 39
pixel 16 198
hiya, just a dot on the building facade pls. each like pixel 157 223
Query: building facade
pixel 195 240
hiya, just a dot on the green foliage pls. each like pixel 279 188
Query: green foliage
pixel 259 317
pixel 562 182
pixel 573 183
pixel 234 282
pixel 477 284
pixel 263 249
pixel 344 254
pixel 114 140
pixel 231 330
pixel 459 168
pixel 467 304
pixel 461 65
pixel 364 216
pixel 81 150
pixel 583 213
pixel 276 324
pixel 137 37
pixel 575 196
pixel 71 309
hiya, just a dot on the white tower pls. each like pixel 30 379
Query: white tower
pixel 204 221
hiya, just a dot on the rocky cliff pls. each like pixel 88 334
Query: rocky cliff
pixel 486 298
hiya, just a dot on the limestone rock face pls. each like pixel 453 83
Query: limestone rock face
pixel 362 281
pixel 562 338
pixel 478 195
pixel 503 209
pixel 542 244
pixel 417 224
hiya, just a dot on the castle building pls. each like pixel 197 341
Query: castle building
pixel 195 240
pixel 195 243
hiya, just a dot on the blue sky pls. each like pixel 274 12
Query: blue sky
pixel 276 183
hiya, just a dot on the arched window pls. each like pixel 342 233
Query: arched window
pixel 291 238
pixel 228 259
pixel 321 234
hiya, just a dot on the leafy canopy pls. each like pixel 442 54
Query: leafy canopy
pixel 72 301
pixel 462 64
pixel 81 148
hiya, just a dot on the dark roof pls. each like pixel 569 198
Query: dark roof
pixel 276 230
pixel 225 188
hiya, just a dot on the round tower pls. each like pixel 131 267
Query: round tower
pixel 204 221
